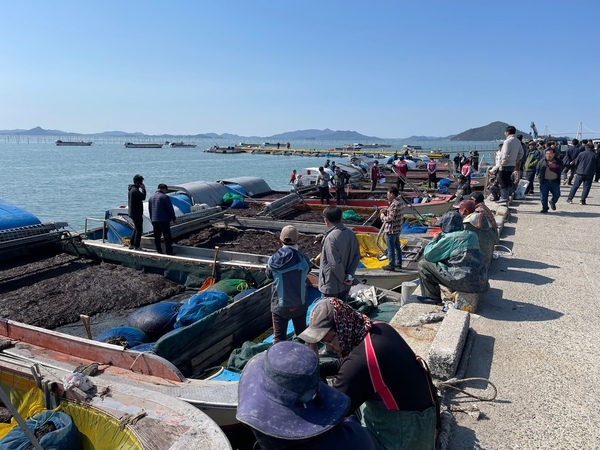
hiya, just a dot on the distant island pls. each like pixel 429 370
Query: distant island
pixel 491 132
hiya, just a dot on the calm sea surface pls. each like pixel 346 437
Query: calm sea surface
pixel 72 183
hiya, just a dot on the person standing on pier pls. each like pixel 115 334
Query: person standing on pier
pixel 509 159
pixel 162 214
pixel 585 165
pixel 136 197
pixel 533 157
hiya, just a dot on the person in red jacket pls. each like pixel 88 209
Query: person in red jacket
pixel 402 171
pixel 374 175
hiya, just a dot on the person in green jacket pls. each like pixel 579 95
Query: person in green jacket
pixel 452 259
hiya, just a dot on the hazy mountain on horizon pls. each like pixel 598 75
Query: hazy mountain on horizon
pixel 488 132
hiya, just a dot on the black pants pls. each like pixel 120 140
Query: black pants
pixel 163 229
pixel 529 176
pixel 324 191
pixel 432 179
pixel 280 325
pixel 138 229
pixel 340 196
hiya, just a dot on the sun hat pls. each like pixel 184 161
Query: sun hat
pixel 477 197
pixel 321 321
pixel 451 221
pixel 289 235
pixel 280 394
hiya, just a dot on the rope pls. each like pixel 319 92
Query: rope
pixel 501 250
pixel 453 382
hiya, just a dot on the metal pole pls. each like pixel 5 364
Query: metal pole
pixel 19 419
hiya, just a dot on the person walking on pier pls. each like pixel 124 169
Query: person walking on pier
pixel 162 214
pixel 136 196
pixel 533 157
pixel 585 165
pixel 569 169
pixel 548 172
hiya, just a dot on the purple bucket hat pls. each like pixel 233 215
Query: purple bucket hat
pixel 281 394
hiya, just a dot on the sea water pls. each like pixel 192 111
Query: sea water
pixel 70 184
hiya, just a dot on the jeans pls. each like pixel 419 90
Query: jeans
pixel 530 176
pixel 394 252
pixel 340 196
pixel 549 186
pixel 587 184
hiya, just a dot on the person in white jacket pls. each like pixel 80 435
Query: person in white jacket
pixel 509 160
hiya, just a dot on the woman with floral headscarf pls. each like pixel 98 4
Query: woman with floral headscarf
pixel 380 373
pixel 453 259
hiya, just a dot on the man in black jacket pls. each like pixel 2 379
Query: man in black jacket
pixel 572 152
pixel 585 165
pixel 136 197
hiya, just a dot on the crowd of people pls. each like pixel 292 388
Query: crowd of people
pixel 578 166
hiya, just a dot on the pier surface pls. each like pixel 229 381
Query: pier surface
pixel 536 333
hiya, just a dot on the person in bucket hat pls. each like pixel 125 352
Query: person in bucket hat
pixel 282 399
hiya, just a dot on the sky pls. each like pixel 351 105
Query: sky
pixel 388 69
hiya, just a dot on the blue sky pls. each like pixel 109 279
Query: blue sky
pixel 389 69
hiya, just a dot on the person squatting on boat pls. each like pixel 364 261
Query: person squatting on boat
pixel 161 215
pixel 136 196
pixel 392 219
pixel 282 399
pixel 340 255
pixel 453 259
pixel 288 267
pixel 390 388
pixel 323 184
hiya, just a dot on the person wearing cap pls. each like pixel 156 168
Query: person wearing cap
pixel 136 196
pixel 392 219
pixel 340 255
pixel 533 157
pixel 288 267
pixel 481 207
pixel 339 181
pixel 162 214
pixel 452 259
pixel 401 171
pixel 478 223
pixel 282 399
pixel 380 373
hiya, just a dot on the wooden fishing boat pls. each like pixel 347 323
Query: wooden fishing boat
pixel 111 414
pixel 437 205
